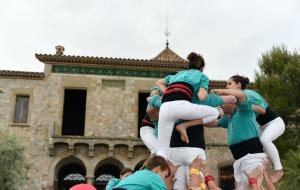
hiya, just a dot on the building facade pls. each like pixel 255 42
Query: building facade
pixel 79 119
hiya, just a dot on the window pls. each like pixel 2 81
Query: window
pixel 142 108
pixel 74 112
pixel 226 177
pixel 21 109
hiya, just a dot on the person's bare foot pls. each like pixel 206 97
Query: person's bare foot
pixel 181 128
pixel 276 176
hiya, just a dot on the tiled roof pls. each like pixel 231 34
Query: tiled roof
pixel 21 75
pixel 169 56
pixel 108 61
pixel 217 84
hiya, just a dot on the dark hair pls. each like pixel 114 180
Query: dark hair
pixel 196 61
pixel 125 170
pixel 241 79
pixel 155 161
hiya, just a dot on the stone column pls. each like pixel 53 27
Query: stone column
pixel 89 179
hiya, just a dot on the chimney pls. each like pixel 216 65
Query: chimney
pixel 59 50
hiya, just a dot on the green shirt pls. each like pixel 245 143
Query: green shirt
pixel 192 76
pixel 211 99
pixel 255 98
pixel 241 125
pixel 112 183
pixel 142 180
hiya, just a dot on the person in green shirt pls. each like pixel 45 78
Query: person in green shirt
pixel 151 178
pixel 114 181
pixel 243 135
pixel 271 125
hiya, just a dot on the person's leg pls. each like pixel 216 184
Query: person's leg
pixel 188 111
pixel 175 110
pixel 166 123
pixel 271 132
pixel 181 181
pixel 196 115
pixel 148 137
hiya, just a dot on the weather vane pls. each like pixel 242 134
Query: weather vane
pixel 167 32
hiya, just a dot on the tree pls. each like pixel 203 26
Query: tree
pixel 291 179
pixel 11 161
pixel 279 82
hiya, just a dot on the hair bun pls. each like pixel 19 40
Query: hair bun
pixel 193 56
pixel 246 80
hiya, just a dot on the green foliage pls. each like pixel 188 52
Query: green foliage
pixel 291 178
pixel 11 161
pixel 279 82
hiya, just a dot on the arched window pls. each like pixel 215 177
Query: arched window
pixel 105 170
pixel 226 175
pixel 69 172
pixel 139 165
pixel 70 175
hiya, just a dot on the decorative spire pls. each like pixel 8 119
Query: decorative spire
pixel 167 32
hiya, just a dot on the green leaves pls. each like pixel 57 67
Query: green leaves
pixel 279 81
pixel 11 161
pixel 291 179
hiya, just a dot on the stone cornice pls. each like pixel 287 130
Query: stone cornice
pixel 21 75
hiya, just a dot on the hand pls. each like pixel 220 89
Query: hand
pixel 256 172
pixel 199 164
pixel 216 91
pixel 148 98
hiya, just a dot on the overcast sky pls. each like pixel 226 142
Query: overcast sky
pixel 230 34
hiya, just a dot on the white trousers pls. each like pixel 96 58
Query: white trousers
pixel 184 156
pixel 148 137
pixel 172 111
pixel 270 132
pixel 245 165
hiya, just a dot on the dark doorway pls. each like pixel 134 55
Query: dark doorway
pixel 142 108
pixel 139 165
pixel 226 177
pixel 74 112
pixel 104 173
pixel 70 175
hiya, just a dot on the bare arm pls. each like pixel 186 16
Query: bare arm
pixel 236 93
pixel 202 94
pixel 212 124
pixel 153 113
pixel 258 109
pixel 270 185
pixel 162 84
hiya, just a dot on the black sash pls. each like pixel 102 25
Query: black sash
pixel 178 91
pixel 250 146
pixel 263 119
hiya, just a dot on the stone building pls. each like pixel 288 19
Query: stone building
pixel 79 119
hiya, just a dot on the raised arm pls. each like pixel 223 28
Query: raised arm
pixel 202 94
pixel 162 84
pixel 258 109
pixel 236 93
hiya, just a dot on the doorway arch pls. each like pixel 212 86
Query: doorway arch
pixel 105 170
pixel 69 172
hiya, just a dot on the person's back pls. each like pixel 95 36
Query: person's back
pixel 194 77
pixel 142 180
pixel 151 178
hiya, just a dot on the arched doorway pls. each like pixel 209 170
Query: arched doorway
pixel 105 170
pixel 69 172
pixel 139 165
pixel 226 175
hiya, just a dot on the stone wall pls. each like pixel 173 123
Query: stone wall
pixel 111 111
